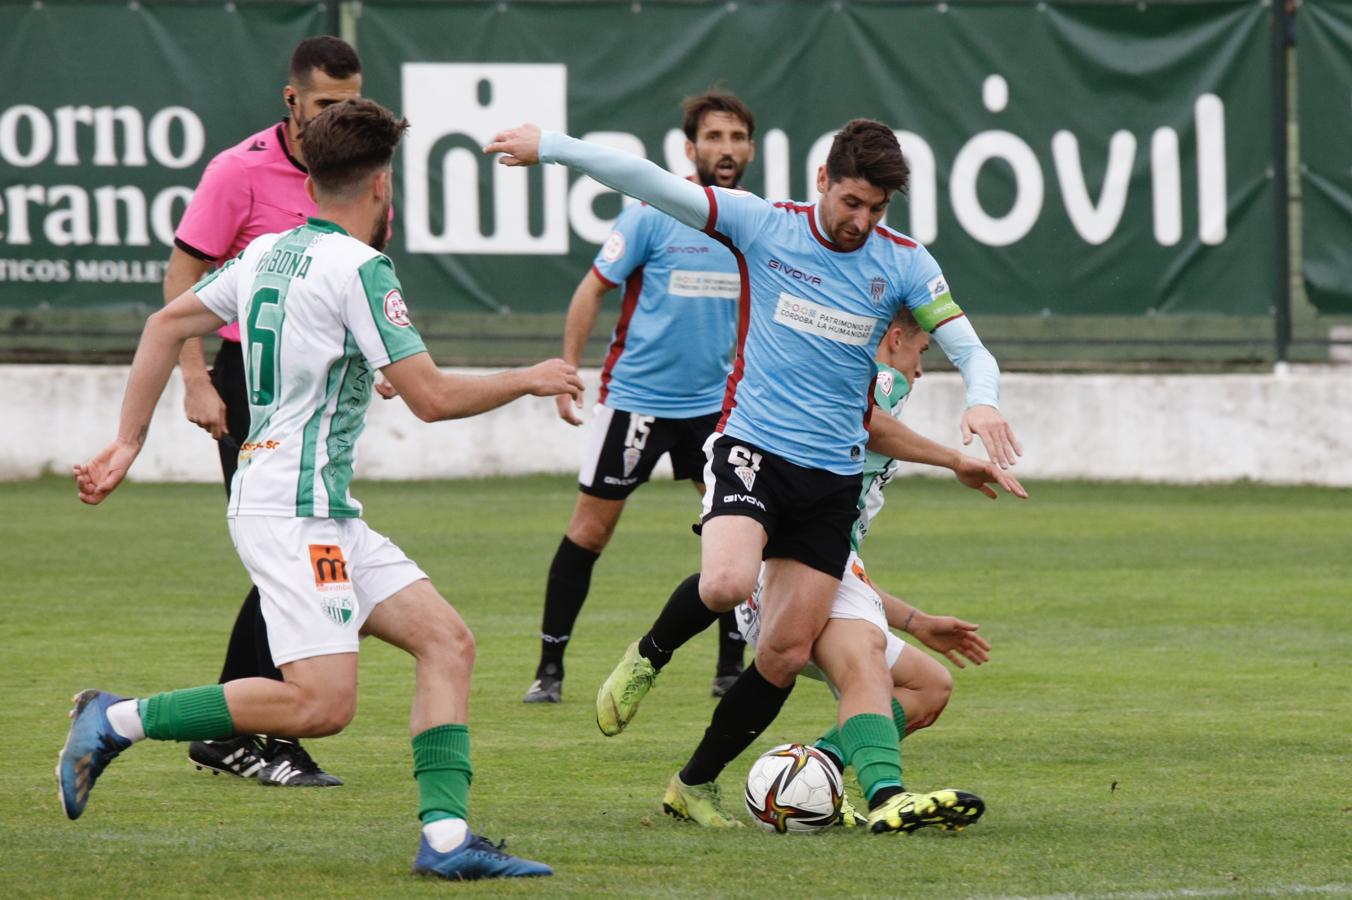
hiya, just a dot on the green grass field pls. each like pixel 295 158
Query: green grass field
pixel 1168 710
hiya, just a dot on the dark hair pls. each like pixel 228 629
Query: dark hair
pixel 904 319
pixel 348 141
pixel 714 100
pixel 333 56
pixel 869 150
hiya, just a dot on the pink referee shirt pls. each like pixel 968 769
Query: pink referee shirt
pixel 255 187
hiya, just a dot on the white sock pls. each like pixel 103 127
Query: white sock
pixel 446 834
pixel 125 717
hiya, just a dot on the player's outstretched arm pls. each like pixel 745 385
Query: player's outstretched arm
pixel 683 200
pixel 981 376
pixel 947 635
pixel 577 328
pixel 892 438
pixel 156 354
pixel 433 395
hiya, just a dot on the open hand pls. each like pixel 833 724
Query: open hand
pixel 518 146
pixel 954 638
pixel 568 407
pixel 979 474
pixel 98 478
pixel 996 434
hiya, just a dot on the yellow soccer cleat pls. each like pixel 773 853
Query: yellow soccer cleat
pixel 849 817
pixel 699 803
pixel 618 699
pixel 949 809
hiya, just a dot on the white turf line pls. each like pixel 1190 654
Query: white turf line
pixel 1237 891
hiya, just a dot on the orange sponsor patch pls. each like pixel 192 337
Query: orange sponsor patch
pixel 329 566
pixel 855 567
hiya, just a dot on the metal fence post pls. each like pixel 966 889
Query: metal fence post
pixel 1280 184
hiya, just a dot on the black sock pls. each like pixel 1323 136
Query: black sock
pixel 730 644
pixel 684 616
pixel 882 795
pixel 565 592
pixel 745 711
pixel 248 655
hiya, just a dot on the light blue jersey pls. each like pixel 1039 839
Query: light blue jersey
pixel 810 315
pixel 671 350
pixel 800 387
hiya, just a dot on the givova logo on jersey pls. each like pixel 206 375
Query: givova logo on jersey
pixel 457 199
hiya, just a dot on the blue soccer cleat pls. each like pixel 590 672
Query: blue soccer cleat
pixel 90 746
pixel 475 858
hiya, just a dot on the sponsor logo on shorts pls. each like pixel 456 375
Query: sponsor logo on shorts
pixel 613 248
pixel 631 457
pixel 330 568
pixel 395 309
pixel 619 482
pixel 744 498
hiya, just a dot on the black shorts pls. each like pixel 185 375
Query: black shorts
pixel 623 447
pixel 807 513
pixel 227 377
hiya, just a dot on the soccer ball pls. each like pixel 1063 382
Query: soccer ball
pixel 794 788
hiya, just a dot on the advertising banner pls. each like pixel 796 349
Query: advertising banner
pixel 1324 73
pixel 1067 159
pixel 108 115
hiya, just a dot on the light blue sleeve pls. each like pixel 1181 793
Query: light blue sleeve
pixel 738 215
pixel 628 246
pixel 931 301
pixel 683 200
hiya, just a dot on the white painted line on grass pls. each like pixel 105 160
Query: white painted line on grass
pixel 1184 893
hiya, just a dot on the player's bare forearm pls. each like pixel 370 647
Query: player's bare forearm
pixel 896 440
pixel 582 312
pixel 899 613
pixel 434 396
pixel 184 271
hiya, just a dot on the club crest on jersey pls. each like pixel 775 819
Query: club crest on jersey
pixel 395 309
pixel 748 476
pixel 877 289
pixel 614 247
pixel 631 457
pixel 885 383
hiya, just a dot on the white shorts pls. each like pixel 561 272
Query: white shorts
pixel 319 579
pixel 855 599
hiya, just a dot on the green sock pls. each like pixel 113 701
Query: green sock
pixel 441 767
pixel 899 717
pixel 830 742
pixel 871 742
pixel 192 714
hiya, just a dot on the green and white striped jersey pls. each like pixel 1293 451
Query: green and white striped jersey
pixel 320 311
pixel 890 391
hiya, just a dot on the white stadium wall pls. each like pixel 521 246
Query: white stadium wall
pixel 1285 428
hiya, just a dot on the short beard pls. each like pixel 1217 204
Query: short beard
pixel 709 177
pixel 380 231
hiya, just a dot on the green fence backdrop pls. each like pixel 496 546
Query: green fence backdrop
pixel 1109 160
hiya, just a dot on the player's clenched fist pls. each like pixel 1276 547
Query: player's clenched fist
pixel 553 377
pixel 518 146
